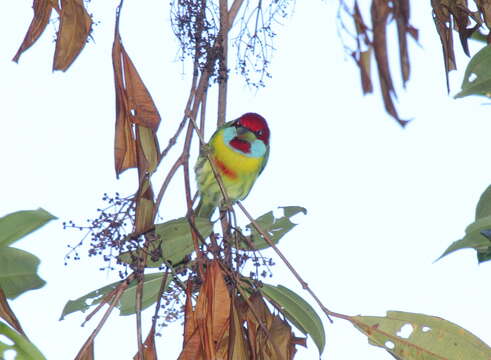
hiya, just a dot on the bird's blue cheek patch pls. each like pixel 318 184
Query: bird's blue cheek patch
pixel 228 134
pixel 258 149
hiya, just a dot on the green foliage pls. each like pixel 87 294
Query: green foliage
pixel 24 349
pixel 409 336
pixel 276 228
pixel 298 311
pixel 475 234
pixel 151 287
pixel 175 242
pixel 477 77
pixel 18 224
pixel 18 268
pixel 18 272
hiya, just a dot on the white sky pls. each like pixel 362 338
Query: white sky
pixel 383 202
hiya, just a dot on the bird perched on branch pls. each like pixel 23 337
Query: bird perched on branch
pixel 239 150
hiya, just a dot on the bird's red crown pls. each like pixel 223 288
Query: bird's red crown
pixel 257 124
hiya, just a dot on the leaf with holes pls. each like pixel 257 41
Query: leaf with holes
pixel 95 297
pixel 429 338
pixel 24 349
pixel 151 290
pixel 477 77
pixel 175 242
pixel 298 311
pixel 276 228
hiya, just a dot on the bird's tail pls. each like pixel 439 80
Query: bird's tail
pixel 204 209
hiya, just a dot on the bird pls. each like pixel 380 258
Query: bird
pixel 240 151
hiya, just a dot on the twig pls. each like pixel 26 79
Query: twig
pixel 117 295
pixel 302 282
pixel 222 63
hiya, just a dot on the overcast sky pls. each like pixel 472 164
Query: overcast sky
pixel 383 203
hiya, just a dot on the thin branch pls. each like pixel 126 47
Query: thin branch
pixel 222 63
pixel 120 289
pixel 302 282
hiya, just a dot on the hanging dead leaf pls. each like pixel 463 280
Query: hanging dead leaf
pixel 362 57
pixel 401 14
pixel 149 349
pixel 142 108
pixel 484 7
pixel 210 317
pixel 380 12
pixel 134 108
pixel 270 338
pixel 42 13
pixel 74 30
pixel 86 353
pixel 8 315
pixel 148 149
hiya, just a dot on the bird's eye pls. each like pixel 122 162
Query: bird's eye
pixel 259 133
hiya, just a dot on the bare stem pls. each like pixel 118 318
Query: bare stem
pixel 117 295
pixel 302 282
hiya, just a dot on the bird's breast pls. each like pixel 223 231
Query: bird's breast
pixel 232 163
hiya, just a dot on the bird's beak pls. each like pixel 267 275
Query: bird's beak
pixel 245 134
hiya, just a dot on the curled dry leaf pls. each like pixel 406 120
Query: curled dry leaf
pixel 74 30
pixel 8 315
pixel 374 41
pixel 42 13
pixel 456 13
pixel 149 349
pixel 134 108
pixel 380 12
pixel 225 325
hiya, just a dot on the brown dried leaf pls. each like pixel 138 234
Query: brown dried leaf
pixel 363 60
pixel 380 11
pixel 88 354
pixel 141 106
pixel 441 17
pixel 149 349
pixel 148 150
pixel 137 118
pixel 74 30
pixel 401 14
pixel 462 15
pixel 237 339
pixel 42 13
pixel 8 315
pixel 361 28
pixel 189 321
pixel 274 343
pixel 124 142
pixel 210 317
pixel 484 7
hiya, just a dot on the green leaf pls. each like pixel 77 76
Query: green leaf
pixel 298 311
pixel 95 297
pixel 473 238
pixel 175 241
pixel 18 272
pixel 25 350
pixel 477 77
pixel 18 224
pixel 483 208
pixel 276 228
pixel 151 289
pixel 417 336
